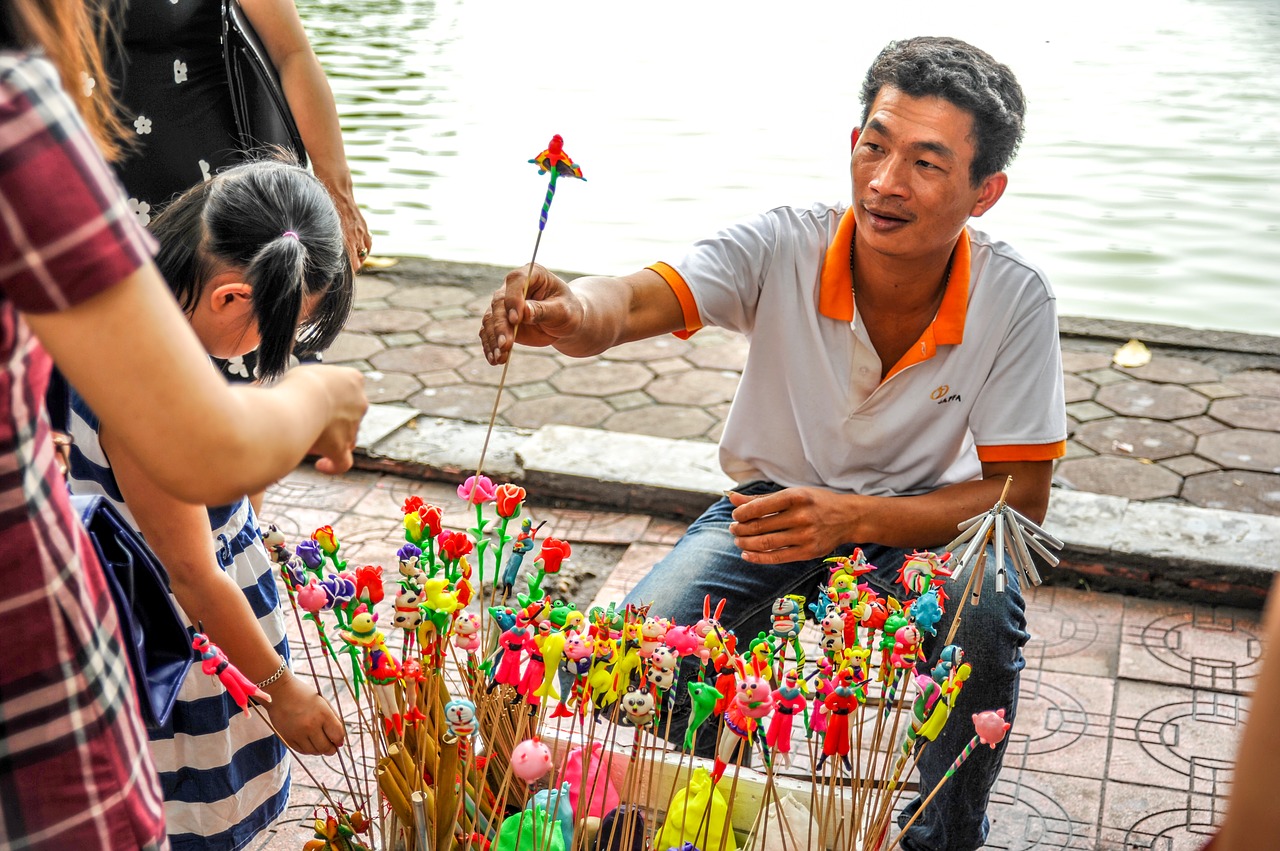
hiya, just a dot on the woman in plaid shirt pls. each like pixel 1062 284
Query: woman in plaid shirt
pixel 76 280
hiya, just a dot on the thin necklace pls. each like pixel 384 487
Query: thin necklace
pixel 946 273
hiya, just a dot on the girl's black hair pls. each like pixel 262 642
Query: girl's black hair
pixel 274 221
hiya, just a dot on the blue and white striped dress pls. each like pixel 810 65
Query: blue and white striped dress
pixel 224 774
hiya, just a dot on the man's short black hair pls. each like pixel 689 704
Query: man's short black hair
pixel 967 77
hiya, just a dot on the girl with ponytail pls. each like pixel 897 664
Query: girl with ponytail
pixel 256 260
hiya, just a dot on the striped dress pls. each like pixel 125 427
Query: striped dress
pixel 224 774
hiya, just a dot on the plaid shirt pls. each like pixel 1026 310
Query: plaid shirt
pixel 75 770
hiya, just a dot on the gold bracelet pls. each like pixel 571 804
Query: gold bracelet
pixel 280 672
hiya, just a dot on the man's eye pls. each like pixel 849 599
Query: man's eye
pixel 925 163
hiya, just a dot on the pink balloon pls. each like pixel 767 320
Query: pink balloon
pixel 530 760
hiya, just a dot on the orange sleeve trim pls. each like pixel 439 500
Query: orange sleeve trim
pixel 1026 452
pixel 688 307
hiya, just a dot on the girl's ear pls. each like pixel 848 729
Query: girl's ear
pixel 229 298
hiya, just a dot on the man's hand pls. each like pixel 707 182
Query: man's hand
pixel 303 718
pixel 541 308
pixel 793 524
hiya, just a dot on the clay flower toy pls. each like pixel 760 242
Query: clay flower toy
pixel 551 558
pixel 329 545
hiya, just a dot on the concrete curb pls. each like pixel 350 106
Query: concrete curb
pixel 1143 548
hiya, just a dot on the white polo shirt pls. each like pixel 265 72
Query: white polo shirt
pixel 984 381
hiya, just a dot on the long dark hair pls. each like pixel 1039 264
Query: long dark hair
pixel 275 222
pixel 65 29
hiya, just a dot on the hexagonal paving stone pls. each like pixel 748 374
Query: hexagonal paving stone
pixel 1200 425
pixel 1084 361
pixel 1248 412
pixel 349 347
pixel 1145 439
pixel 1078 390
pixel 369 287
pixel 385 321
pixel 1259 382
pixel 654 348
pixel 1086 411
pixel 672 421
pixel 431 297
pixel 1189 465
pixel 1242 449
pixel 731 354
pixel 1235 490
pixel 458 402
pixel 426 357
pixel 525 368
pixel 463 331
pixel 1119 476
pixel 601 378
pixel 696 387
pixel 1164 369
pixel 1157 401
pixel 390 386
pixel 560 410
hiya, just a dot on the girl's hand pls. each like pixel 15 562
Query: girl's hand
pixel 303 718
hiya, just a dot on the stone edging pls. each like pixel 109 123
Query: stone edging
pixel 1111 543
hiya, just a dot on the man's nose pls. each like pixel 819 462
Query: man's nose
pixel 890 177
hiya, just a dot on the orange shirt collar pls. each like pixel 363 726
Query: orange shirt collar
pixel 835 294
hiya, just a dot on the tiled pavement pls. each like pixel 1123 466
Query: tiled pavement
pixel 1198 425
pixel 1130 710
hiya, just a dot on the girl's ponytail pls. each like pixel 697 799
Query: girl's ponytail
pixel 277 274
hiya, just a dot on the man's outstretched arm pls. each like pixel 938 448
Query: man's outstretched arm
pixel 580 319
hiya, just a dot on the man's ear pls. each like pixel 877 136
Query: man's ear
pixel 853 138
pixel 989 193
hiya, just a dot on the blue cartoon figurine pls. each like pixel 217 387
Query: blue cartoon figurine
pixel 519 547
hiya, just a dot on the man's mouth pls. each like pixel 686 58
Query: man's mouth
pixel 886 218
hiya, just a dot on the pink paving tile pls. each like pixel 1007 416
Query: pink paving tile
pixel 386 496
pixel 1063 724
pixel 633 565
pixel 1175 738
pixel 1198 646
pixel 595 527
pixel 1140 816
pixel 662 531
pixel 1073 631
pixel 1034 810
pixel 306 488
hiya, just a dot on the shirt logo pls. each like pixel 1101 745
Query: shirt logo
pixel 942 395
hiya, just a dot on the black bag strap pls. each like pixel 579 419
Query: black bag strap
pixel 258 102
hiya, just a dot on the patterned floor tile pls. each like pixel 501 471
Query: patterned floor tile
pixel 1175 738
pixel 631 568
pixel 1031 810
pixel 1073 631
pixel 1063 724
pixel 1197 646
pixel 1139 817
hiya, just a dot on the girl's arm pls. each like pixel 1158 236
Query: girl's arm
pixel 129 351
pixel 179 535
pixel 311 101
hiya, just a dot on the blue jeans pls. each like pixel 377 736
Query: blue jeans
pixel 705 561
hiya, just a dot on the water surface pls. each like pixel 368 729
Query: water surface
pixel 1146 187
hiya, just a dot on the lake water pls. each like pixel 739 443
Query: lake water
pixel 1146 187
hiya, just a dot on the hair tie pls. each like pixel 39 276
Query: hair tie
pixel 292 234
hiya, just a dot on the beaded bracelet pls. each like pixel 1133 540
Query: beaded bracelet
pixel 280 672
